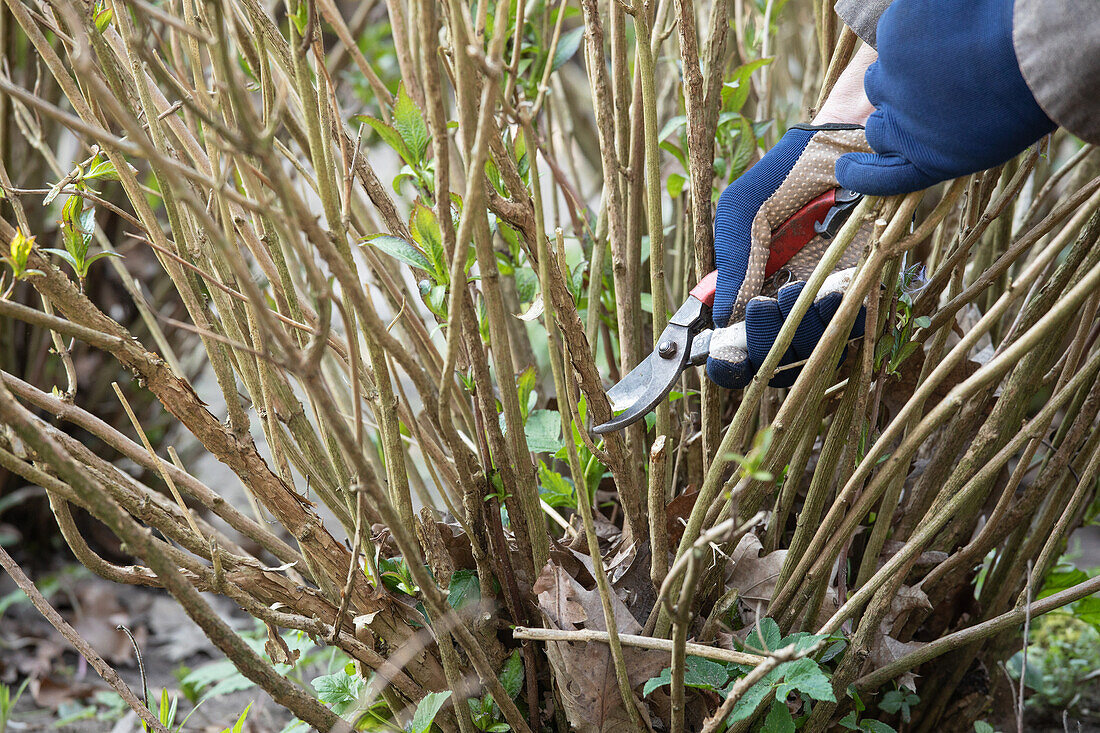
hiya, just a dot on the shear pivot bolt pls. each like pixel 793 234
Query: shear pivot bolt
pixel 667 349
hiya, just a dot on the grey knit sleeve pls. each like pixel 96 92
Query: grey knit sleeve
pixel 862 16
pixel 1058 46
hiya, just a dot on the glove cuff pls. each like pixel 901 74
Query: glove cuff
pixel 826 126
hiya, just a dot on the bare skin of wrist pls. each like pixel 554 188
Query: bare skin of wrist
pixel 847 102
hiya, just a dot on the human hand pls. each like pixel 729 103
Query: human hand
pixel 796 170
pixel 737 351
pixel 949 96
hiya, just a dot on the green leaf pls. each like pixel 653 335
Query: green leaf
pixel 765 636
pixel 425 230
pixel 390 136
pixel 672 126
pixel 834 649
pixel 905 352
pixel 1088 610
pixel 543 431
pixel 849 721
pixel 705 674
pixel 676 151
pixel 239 725
pixel 410 125
pixel 400 249
pixel 525 386
pixel 166 712
pixel 510 237
pixel 664 678
pixel 735 92
pixel 980 726
pixel 426 711
pixel 72 262
pixel 805 676
pixel 1062 578
pixel 568 44
pixel 746 144
pixel 779 719
pixel 405 174
pixel 753 697
pixel 339 690
pixel 1033 677
pixel 554 488
pixel 104 170
pixel 77 225
pixel 103 19
pixel 511 677
pixel 676 185
pixel 465 588
pixel 896 701
pixel 221 676
pixel 802 640
pixel 98 256
pixel 874 726
pixel 699 673
pixel 300 17
pixel 527 283
pixel 922 322
pixel 437 300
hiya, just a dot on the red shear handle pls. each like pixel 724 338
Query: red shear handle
pixel 704 291
pixel 791 236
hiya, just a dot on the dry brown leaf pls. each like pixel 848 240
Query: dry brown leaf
pixel 588 688
pixel 277 649
pixel 926 559
pixel 51 693
pixel 584 671
pixel 905 600
pixel 97 619
pixel 754 576
pixel 676 514
pixel 885 648
pixel 554 589
pixel 628 571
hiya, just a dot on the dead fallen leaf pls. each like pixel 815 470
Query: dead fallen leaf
pixel 885 648
pixel 628 571
pixel 555 591
pixel 926 559
pixel 277 649
pixel 31 657
pixel 51 693
pixel 174 635
pixel 676 514
pixel 97 619
pixel 534 311
pixel 584 671
pixel 754 576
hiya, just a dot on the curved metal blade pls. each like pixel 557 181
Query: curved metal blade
pixel 648 383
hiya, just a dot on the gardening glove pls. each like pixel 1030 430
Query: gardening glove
pixel 737 351
pixel 949 97
pixel 799 168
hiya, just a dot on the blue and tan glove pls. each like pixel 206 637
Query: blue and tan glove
pixel 750 306
pixel 949 96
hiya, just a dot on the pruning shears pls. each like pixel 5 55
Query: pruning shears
pixel 685 342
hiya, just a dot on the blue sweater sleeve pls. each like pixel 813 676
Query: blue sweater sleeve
pixel 1058 48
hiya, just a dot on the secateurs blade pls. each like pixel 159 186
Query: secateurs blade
pixel 685 342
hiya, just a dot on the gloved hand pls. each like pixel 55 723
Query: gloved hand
pixel 737 351
pixel 949 97
pixel 796 170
